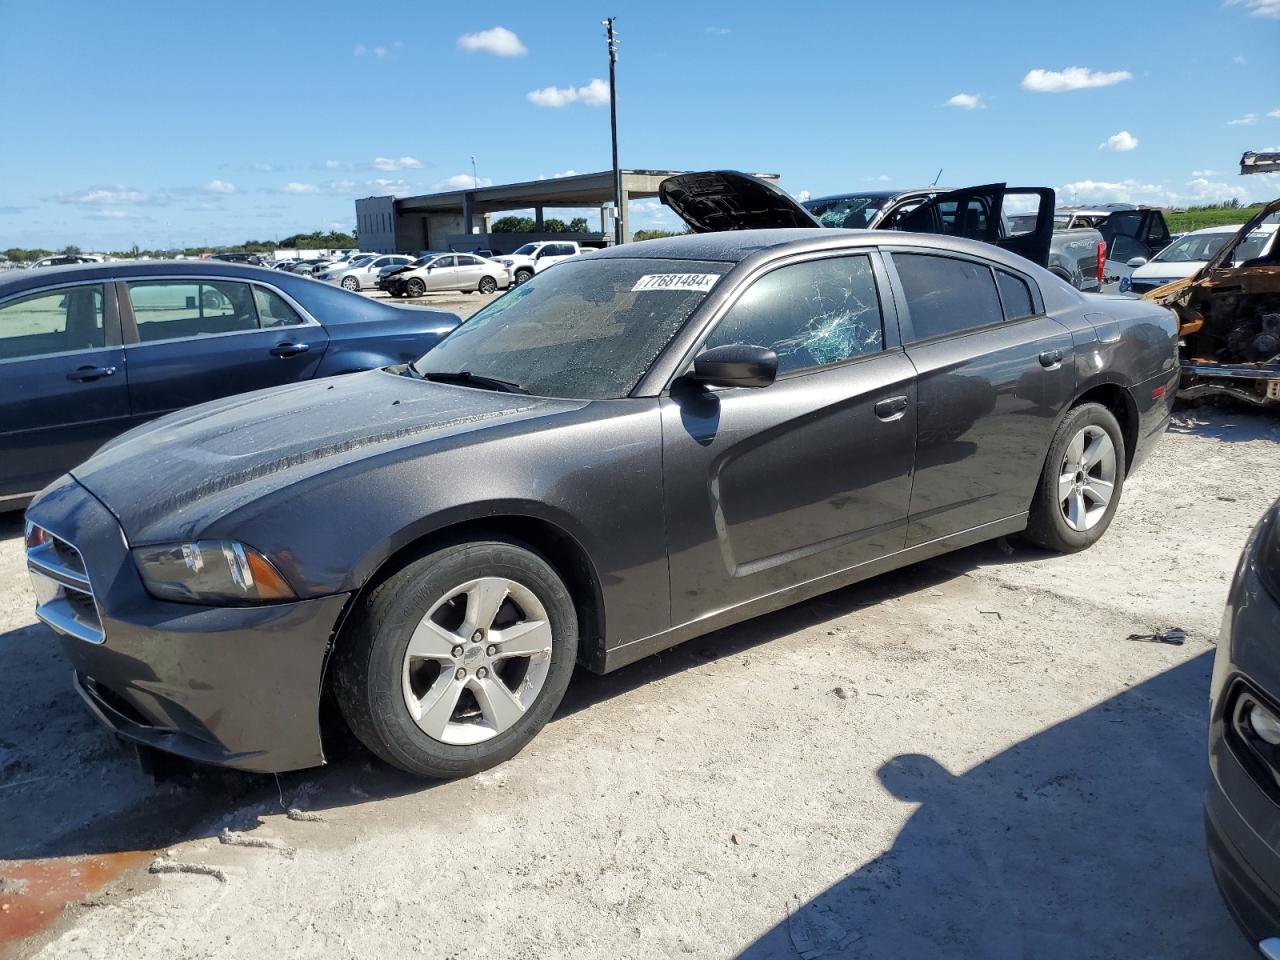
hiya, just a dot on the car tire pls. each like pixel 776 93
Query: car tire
pixel 391 697
pixel 415 287
pixel 350 283
pixel 487 285
pixel 1067 512
pixel 522 275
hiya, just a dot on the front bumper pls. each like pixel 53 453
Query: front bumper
pixel 1242 803
pixel 238 686
pixel 1256 383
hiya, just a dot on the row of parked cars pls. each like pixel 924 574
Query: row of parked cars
pixel 513 497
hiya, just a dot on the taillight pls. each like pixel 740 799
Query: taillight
pixel 1102 260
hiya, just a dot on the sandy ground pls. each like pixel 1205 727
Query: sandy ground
pixel 963 759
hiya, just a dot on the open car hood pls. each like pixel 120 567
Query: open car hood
pixel 1224 255
pixel 718 200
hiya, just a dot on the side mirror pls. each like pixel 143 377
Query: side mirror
pixel 736 365
pixel 1136 262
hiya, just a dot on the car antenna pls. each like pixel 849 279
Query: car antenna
pixel 937 178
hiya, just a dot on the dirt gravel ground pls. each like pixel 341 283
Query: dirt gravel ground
pixel 966 758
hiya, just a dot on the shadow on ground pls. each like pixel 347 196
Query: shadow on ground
pixel 1081 841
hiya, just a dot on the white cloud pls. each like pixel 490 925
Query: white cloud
pixel 263 168
pixel 391 164
pixel 1258 8
pixel 389 186
pixel 967 101
pixel 804 195
pixel 220 186
pixel 594 94
pixel 331 164
pixel 461 181
pixel 1197 190
pixel 1206 173
pixel 1274 113
pixel 1119 142
pixel 105 195
pixel 883 178
pixel 301 188
pixel 108 213
pixel 1239 60
pixel 564 173
pixel 361 50
pixel 1072 78
pixel 499 41
pixel 1248 120
pixel 719 31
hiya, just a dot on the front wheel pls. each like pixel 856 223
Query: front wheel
pixel 454 663
pixel 350 283
pixel 523 275
pixel 415 287
pixel 1081 483
pixel 488 284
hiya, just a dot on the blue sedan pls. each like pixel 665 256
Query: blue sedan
pixel 90 350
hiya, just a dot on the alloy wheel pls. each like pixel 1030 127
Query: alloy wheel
pixel 1087 478
pixel 416 288
pixel 488 284
pixel 477 661
pixel 351 283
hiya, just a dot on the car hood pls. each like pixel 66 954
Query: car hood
pixel 1166 270
pixel 168 479
pixel 719 200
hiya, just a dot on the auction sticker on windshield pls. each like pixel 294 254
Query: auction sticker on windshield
pixel 701 282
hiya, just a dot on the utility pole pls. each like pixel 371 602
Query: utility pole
pixel 613 124
pixel 475 181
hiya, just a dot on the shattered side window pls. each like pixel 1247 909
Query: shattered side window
pixel 810 314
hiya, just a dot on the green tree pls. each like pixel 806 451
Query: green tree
pixel 513 225
pixel 555 225
pixel 578 225
pixel 653 234
pixel 71 250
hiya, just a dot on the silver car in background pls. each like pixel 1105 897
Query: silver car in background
pixel 363 273
pixel 447 271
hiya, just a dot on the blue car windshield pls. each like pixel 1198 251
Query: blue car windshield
pixel 584 329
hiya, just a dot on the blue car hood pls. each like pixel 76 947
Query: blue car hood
pixel 169 478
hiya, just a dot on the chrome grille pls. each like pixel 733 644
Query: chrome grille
pixel 64 597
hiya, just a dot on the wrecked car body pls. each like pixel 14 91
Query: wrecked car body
pixel 1229 322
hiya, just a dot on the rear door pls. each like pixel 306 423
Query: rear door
pixel 62 382
pixel 470 269
pixel 770 487
pixel 993 374
pixel 978 213
pixel 193 339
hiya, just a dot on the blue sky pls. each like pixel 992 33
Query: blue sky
pixel 177 124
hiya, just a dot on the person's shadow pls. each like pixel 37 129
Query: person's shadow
pixel 1082 841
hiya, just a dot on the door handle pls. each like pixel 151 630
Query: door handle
pixel 288 349
pixel 1051 358
pixel 891 408
pixel 89 374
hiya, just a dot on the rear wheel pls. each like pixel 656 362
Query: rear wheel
pixel 488 284
pixel 1081 482
pixel 350 283
pixel 456 662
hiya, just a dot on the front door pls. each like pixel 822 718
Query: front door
pixel 994 374
pixel 63 389
pixel 442 273
pixel 192 340
pixel 770 487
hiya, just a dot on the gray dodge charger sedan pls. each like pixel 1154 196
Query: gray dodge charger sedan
pixel 635 447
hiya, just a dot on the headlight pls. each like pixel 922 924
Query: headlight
pixel 219 572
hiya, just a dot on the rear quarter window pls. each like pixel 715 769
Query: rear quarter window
pixel 945 295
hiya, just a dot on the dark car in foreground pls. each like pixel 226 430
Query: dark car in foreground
pixel 634 447
pixel 89 351
pixel 1242 805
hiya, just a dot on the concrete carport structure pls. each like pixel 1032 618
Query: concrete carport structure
pixel 448 221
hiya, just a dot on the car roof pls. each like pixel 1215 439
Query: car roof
pixel 876 194
pixel 15 281
pixel 1231 229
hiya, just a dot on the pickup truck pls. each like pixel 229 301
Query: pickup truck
pixel 535 257
pixel 1132 237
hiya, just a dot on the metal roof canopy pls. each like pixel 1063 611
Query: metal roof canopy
pixel 1259 162
pixel 578 190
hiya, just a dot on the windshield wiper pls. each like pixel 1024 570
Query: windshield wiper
pixel 475 380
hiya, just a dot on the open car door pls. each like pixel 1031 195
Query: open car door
pixel 717 200
pixel 977 213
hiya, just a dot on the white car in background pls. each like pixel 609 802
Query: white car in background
pixel 1186 255
pixel 535 257
pixel 364 272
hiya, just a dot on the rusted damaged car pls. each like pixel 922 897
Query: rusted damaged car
pixel 1229 321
